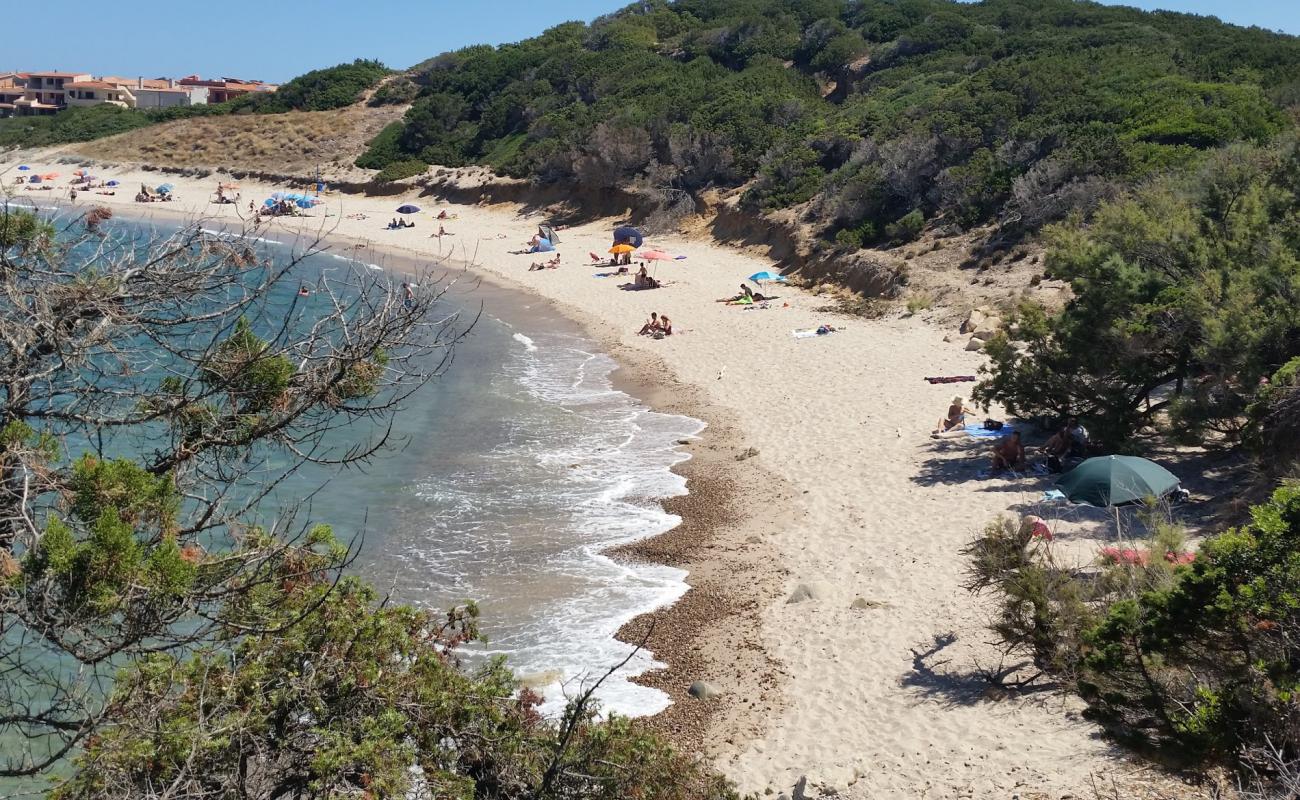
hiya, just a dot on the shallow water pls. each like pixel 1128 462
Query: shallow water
pixel 521 465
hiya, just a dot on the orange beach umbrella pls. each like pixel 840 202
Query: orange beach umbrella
pixel 620 249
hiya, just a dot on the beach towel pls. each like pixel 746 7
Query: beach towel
pixel 808 333
pixel 980 432
pixel 1052 495
pixel 952 379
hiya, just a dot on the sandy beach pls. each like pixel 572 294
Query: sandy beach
pixel 824 526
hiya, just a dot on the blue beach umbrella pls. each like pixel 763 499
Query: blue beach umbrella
pixel 270 201
pixel 758 277
pixel 629 235
pixel 23 167
pixel 35 179
pixel 408 209
pixel 305 202
pixel 166 188
pixel 111 183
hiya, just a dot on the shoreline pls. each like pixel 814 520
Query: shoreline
pixel 724 597
pixel 834 543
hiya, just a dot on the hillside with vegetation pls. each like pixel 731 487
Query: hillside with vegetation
pixel 873 119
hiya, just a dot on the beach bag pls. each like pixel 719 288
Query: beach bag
pixel 992 425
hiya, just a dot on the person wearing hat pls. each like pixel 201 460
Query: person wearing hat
pixel 956 416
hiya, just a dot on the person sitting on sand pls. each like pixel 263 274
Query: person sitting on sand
pixel 442 214
pixel 651 325
pixel 1078 438
pixel 665 326
pixel 1009 453
pixel 554 262
pixel 956 416
pixel 644 281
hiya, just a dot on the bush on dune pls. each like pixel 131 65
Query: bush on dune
pixel 1192 656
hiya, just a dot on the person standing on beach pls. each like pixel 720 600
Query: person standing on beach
pixel 408 296
pixel 72 195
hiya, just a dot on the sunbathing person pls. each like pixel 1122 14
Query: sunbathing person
pixel 956 416
pixel 1009 453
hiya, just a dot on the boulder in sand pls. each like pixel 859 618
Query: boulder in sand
pixel 703 690
pixel 974 344
pixel 804 592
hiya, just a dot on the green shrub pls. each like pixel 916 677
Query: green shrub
pixel 400 170
pixel 906 228
pixel 383 149
pixel 1195 655
pixel 321 89
pixel 72 125
pixel 1209 664
pixel 396 92
pixel 22 228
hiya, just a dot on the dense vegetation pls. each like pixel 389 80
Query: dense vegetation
pixel 878 113
pixel 1191 656
pixel 158 642
pixel 318 90
pixel 1186 301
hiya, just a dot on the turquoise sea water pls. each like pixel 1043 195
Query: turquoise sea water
pixel 520 465
pixel 516 469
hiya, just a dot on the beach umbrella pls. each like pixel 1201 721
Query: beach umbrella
pixel 35 179
pixel 49 176
pixel 759 277
pixel 111 183
pixel 1108 481
pixel 620 249
pixel 305 202
pixel 270 201
pixel 628 234
pixel 654 255
pixel 166 188
pixel 23 167
pixel 79 172
pixel 408 209
pixel 547 232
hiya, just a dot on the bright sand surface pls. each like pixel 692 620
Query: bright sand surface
pixel 868 506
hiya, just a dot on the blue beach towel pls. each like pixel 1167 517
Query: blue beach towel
pixel 980 432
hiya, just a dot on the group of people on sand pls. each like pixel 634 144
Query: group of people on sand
pixel 1063 450
pixel 657 326
pixel 398 224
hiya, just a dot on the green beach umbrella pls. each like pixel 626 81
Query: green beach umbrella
pixel 1115 480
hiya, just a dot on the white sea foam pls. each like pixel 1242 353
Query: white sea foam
pixel 523 527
